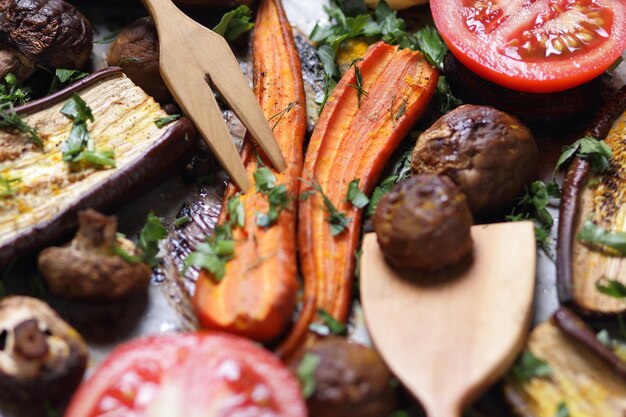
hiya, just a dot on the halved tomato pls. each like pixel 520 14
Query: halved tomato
pixel 190 375
pixel 535 46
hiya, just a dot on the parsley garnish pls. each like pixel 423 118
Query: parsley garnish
pixel 528 366
pixel 432 46
pixel 151 234
pixel 594 151
pixel 65 76
pixel 599 238
pixel 400 172
pixel 534 206
pixel 9 119
pixel 161 122
pixel 10 91
pixel 360 91
pixel 79 146
pixel 306 373
pixel 181 221
pixel 338 220
pixel 6 186
pixel 277 196
pixel 235 23
pixel 329 324
pixel 356 196
pixel 219 248
pixel 562 410
pixel 329 86
pixel 611 287
pixel 279 116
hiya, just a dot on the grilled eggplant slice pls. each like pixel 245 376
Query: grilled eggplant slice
pixel 601 198
pixel 578 371
pixel 46 195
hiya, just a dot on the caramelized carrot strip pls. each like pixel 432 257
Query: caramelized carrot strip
pixel 349 143
pixel 257 296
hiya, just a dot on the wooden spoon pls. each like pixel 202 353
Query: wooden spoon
pixel 448 341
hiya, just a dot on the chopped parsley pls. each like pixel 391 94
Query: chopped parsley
pixel 79 147
pixel 328 324
pixel 235 23
pixel 356 196
pixel 534 206
pixel 12 93
pixel 528 366
pixel 597 237
pixel 219 248
pixel 594 151
pixel 150 236
pixel 277 196
pixel 161 122
pixel 611 287
pixel 432 46
pixel 338 220
pixel 562 410
pixel 6 186
pixel 64 77
pixel 181 221
pixel 306 373
pixel 9 119
pixel 400 172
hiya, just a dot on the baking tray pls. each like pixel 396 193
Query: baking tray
pixel 164 307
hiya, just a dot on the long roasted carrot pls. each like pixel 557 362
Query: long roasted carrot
pixel 353 141
pixel 257 296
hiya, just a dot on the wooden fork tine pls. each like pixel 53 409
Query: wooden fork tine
pixel 197 100
pixel 225 73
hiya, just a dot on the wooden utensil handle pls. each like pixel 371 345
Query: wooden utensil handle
pixel 443 409
pixel 160 8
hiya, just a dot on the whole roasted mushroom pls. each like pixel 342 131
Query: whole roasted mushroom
pixel 42 358
pixel 44 33
pixel 136 50
pixel 350 380
pixel 88 267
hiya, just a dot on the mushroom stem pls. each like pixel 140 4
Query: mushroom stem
pixel 30 341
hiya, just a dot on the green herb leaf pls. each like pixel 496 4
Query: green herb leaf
pixel 6 186
pixel 264 179
pixel 164 121
pixel 400 172
pixel 334 325
pixel 328 56
pixel 11 93
pixel 446 101
pixel 611 287
pixel 528 366
pixel 431 44
pixel 594 151
pixel 122 253
pixel 235 23
pixel 338 221
pixel 329 86
pixel 149 237
pixel 236 213
pixel 77 110
pixel 361 93
pixel 10 120
pixel 356 196
pixel 599 238
pixel 65 76
pixel 181 221
pixel 306 373
pixel 562 410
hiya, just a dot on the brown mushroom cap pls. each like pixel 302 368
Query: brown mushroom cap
pixel 50 33
pixel 489 154
pixel 88 268
pixel 424 224
pixel 350 380
pixel 42 358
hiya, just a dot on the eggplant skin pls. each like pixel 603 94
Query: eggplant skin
pixel 174 147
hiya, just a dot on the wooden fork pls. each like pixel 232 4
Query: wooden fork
pixel 191 55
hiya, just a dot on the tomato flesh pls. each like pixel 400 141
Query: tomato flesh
pixel 189 375
pixel 534 45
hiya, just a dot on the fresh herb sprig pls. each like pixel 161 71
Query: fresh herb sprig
pixel 400 172
pixel 63 77
pixel 277 196
pixel 7 189
pixel 528 366
pixel 600 238
pixel 306 373
pixel 12 93
pixel 356 196
pixel 161 122
pixel 594 151
pixel 235 23
pixel 279 116
pixel 151 234
pixel 397 113
pixel 9 119
pixel 534 206
pixel 338 220
pixel 445 100
pixel 327 324
pixel 79 146
pixel 611 287
pixel 358 78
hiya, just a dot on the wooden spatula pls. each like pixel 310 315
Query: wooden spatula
pixel 448 341
pixel 191 54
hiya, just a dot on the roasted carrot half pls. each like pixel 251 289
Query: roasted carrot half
pixel 257 296
pixel 367 116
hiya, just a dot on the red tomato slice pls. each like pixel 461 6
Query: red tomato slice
pixel 190 375
pixel 535 46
